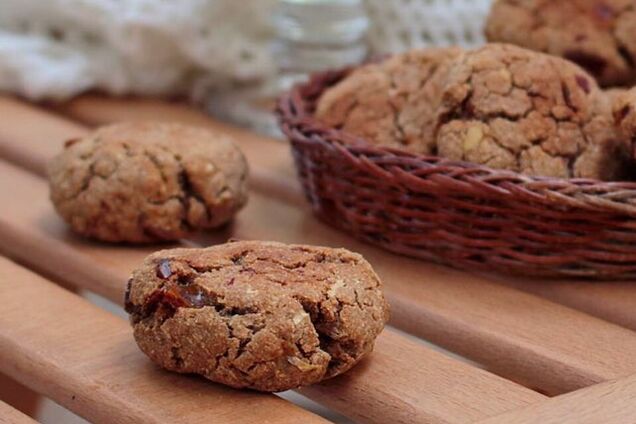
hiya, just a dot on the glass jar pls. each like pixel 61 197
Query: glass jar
pixel 313 35
pixel 309 36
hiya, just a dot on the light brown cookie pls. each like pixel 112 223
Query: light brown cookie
pixel 599 35
pixel 391 103
pixel 259 315
pixel 512 108
pixel 145 182
pixel 614 94
pixel 624 107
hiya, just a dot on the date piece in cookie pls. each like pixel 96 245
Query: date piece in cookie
pixel 146 182
pixel 259 315
pixel 512 108
pixel 599 35
pixel 391 103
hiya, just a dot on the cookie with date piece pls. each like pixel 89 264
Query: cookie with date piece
pixel 259 315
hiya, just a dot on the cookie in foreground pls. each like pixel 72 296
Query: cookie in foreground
pixel 147 182
pixel 259 315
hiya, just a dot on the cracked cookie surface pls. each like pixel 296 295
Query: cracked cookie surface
pixel 599 35
pixel 391 103
pixel 512 108
pixel 259 315
pixel 145 182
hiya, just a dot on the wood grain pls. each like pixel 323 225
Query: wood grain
pixel 612 301
pixel 608 403
pixel 528 339
pixel 85 359
pixel 18 396
pixel 403 382
pixel 422 387
pixel 17 138
pixel 10 415
pixel 362 393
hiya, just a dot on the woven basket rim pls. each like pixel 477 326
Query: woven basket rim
pixel 295 114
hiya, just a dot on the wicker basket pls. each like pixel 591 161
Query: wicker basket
pixel 457 213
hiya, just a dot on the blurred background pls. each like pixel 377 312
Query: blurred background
pixel 229 57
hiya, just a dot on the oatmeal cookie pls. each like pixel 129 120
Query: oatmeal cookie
pixel 391 103
pixel 625 116
pixel 614 94
pixel 599 35
pixel 145 182
pixel 259 315
pixel 511 108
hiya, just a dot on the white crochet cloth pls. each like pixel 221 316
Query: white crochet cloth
pixel 403 24
pixel 55 49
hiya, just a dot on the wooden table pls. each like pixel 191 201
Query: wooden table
pixel 518 341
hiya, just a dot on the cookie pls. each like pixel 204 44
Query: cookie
pixel 599 35
pixel 392 103
pixel 614 94
pixel 624 107
pixel 258 315
pixel 512 108
pixel 147 182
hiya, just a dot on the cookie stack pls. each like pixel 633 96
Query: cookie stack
pixel 535 108
pixel 501 106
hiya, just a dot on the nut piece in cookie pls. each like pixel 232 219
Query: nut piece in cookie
pixel 146 182
pixel 259 315
pixel 599 35
pixel 625 116
pixel 391 103
pixel 512 108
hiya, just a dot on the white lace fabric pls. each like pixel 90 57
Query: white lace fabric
pixel 55 49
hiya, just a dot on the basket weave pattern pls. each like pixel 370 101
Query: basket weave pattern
pixel 456 213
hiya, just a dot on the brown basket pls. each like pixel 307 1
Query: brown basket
pixel 457 213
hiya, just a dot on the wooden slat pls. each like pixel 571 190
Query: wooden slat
pixel 607 403
pixel 528 339
pixel 85 359
pixel 612 301
pixel 10 415
pixel 404 382
pixel 23 118
pixel 432 387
